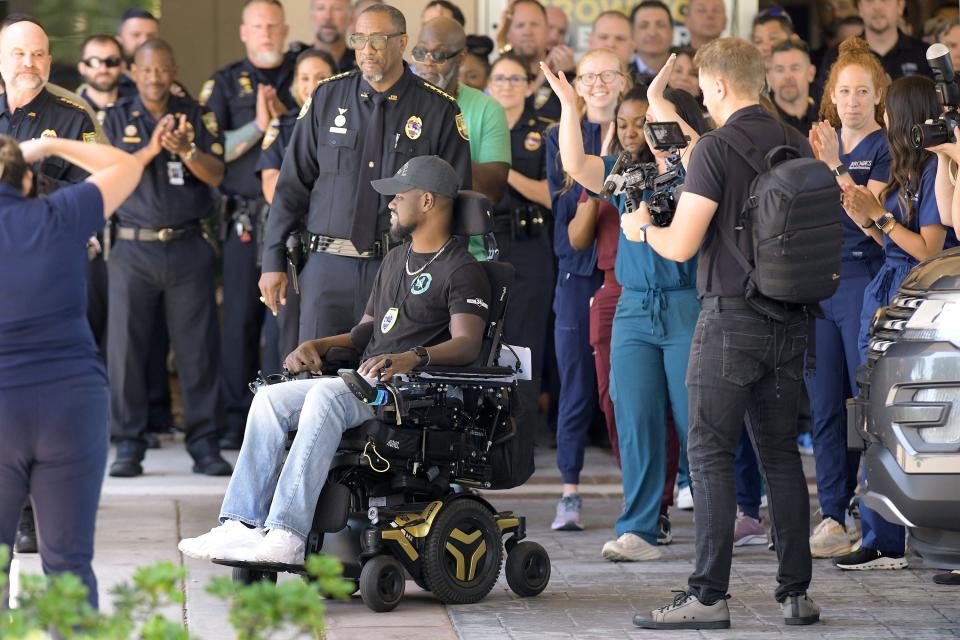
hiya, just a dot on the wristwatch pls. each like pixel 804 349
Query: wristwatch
pixel 886 222
pixel 840 170
pixel 190 155
pixel 643 232
pixel 423 355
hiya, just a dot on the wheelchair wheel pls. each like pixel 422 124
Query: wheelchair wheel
pixel 382 582
pixel 462 553
pixel 528 569
pixel 244 575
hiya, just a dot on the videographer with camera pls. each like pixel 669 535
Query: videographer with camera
pixel 742 360
pixel 655 316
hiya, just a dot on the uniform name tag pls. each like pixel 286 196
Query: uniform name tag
pixel 175 173
pixel 339 130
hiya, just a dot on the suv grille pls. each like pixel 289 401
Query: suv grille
pixel 889 324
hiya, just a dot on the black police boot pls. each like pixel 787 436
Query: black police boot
pixel 231 441
pixel 153 441
pixel 26 540
pixel 212 465
pixel 127 463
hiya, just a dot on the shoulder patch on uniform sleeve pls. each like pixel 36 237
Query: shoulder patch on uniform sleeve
pixel 210 123
pixel 272 132
pixel 438 90
pixel 305 108
pixel 90 136
pixel 462 127
pixel 205 92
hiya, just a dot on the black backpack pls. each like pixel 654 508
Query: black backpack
pixel 792 215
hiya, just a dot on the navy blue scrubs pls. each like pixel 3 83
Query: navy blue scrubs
pixel 837 338
pixel 578 278
pixel 53 386
pixel 878 534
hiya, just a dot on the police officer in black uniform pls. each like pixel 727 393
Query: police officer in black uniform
pixel 356 127
pixel 313 65
pixel 245 96
pixel 27 111
pixel 160 251
pixel 135 27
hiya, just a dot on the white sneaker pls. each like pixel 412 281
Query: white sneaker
pixel 280 547
pixel 630 548
pixel 829 540
pixel 230 532
pixel 685 499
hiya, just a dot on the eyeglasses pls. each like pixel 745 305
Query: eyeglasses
pixel 420 54
pixel 608 76
pixel 378 41
pixel 513 81
pixel 95 63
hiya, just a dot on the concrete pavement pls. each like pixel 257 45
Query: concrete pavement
pixel 141 520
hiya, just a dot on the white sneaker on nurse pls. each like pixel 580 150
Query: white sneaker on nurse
pixel 280 547
pixel 685 499
pixel 630 547
pixel 231 532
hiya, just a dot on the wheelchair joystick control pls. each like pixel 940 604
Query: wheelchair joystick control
pixel 362 389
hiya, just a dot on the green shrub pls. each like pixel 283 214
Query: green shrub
pixel 57 606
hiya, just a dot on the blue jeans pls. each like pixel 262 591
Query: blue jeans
pixel 267 492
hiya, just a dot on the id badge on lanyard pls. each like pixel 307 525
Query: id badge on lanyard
pixel 175 173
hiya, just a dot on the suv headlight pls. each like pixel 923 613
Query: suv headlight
pixel 934 320
pixel 949 432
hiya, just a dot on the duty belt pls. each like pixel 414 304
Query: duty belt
pixel 168 234
pixel 320 243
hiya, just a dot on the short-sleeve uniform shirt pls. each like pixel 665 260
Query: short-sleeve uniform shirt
pixel 486 125
pixel 159 201
pixel 49 116
pixel 415 310
pixel 869 160
pixel 44 333
pixel 275 142
pixel 718 173
pixel 231 94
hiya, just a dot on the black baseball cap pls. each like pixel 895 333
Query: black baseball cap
pixel 430 173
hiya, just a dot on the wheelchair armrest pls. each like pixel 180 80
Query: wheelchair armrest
pixel 338 358
pixel 495 376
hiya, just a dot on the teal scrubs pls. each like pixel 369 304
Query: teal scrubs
pixel 649 349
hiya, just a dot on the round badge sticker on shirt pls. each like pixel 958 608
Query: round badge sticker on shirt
pixel 421 284
pixel 389 319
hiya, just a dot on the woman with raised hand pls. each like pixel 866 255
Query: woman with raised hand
pixel 53 385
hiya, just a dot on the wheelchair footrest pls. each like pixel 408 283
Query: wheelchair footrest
pixel 272 567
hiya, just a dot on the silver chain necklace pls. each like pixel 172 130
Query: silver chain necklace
pixel 429 262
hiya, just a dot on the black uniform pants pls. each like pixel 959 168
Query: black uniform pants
pixel 334 293
pixel 182 272
pixel 54 438
pixel 243 315
pixel 528 313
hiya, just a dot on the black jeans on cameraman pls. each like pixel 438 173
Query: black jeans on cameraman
pixel 744 363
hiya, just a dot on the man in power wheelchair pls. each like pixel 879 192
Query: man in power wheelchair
pixel 375 471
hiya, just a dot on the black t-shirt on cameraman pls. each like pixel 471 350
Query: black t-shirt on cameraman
pixel 414 310
pixel 718 172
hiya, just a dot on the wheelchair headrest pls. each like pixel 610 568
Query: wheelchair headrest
pixel 472 214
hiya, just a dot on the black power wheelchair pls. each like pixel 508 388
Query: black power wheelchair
pixel 400 497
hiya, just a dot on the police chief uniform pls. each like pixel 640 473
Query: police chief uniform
pixel 160 251
pixel 348 134
pixel 275 142
pixel 231 94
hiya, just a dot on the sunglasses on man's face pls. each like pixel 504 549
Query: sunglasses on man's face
pixel 420 54
pixel 95 63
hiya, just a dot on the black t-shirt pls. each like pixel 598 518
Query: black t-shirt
pixel 907 58
pixel 414 310
pixel 718 173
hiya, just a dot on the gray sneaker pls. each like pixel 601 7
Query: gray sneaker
pixel 799 610
pixel 686 612
pixel 568 514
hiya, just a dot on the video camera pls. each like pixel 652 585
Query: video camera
pixel 926 135
pixel 634 178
